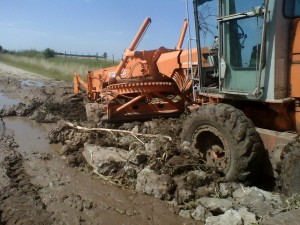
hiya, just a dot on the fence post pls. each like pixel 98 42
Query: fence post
pixel 97 56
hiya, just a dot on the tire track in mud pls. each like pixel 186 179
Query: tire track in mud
pixel 20 202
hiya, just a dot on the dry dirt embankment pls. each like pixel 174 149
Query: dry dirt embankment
pixel 66 188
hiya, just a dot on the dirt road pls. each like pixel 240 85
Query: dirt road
pixel 37 185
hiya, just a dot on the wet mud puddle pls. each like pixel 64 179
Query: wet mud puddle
pixel 30 136
pixel 32 83
pixel 5 101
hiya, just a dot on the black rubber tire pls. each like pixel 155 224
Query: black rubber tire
pixel 243 150
pixel 290 168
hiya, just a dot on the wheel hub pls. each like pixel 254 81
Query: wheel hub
pixel 213 147
pixel 216 157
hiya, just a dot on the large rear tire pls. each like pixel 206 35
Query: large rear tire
pixel 290 168
pixel 226 139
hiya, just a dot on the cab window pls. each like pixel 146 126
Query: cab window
pixel 291 8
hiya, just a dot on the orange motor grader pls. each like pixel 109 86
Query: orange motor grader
pixel 245 89
pixel 146 84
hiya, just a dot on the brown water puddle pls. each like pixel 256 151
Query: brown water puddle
pixel 30 136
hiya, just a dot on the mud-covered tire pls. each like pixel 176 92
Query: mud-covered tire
pixel 230 141
pixel 290 168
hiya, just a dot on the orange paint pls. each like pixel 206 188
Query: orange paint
pixel 295 59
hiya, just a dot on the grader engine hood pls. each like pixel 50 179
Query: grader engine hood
pixel 177 65
pixel 169 62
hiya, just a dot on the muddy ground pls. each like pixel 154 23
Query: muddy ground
pixel 40 186
pixel 109 178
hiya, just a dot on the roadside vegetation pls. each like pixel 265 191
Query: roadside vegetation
pixel 48 64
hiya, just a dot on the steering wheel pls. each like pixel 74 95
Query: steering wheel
pixel 241 35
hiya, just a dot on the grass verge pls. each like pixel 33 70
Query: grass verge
pixel 59 67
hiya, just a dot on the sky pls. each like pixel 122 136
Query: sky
pixel 89 26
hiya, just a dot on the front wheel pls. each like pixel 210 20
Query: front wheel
pixel 226 139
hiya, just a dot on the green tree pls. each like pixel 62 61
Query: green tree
pixel 105 55
pixel 1 48
pixel 49 53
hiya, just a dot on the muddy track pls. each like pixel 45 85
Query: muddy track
pixel 39 189
pixel 20 202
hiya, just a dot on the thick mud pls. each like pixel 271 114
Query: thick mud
pixel 42 183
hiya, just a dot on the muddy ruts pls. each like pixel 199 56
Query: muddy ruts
pixel 20 202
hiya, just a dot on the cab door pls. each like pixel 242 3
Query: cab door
pixel 241 33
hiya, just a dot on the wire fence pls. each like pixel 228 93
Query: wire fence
pixel 89 56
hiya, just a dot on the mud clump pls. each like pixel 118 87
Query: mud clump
pixel 44 104
pixel 73 143
pixel 155 166
pixel 167 170
pixel 49 111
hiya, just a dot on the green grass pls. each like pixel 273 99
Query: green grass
pixel 59 67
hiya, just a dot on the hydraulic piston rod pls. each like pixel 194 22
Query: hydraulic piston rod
pixel 133 45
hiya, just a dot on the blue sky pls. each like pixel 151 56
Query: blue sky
pixel 89 26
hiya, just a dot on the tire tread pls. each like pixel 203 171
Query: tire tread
pixel 248 152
